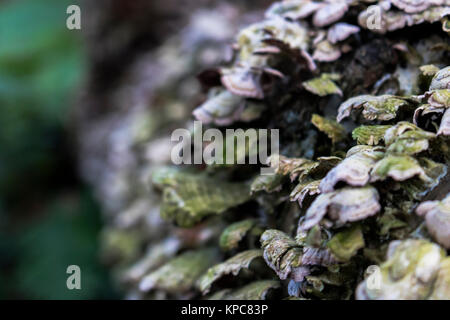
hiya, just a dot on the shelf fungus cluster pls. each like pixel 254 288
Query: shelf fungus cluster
pixel 358 205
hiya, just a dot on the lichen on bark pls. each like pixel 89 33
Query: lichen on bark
pixel 364 120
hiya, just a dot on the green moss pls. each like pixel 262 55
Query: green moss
pixel 268 183
pixel 345 244
pixel 323 85
pixel 181 273
pixel 188 198
pixel 234 233
pixel 257 290
pixel 331 128
pixel 232 266
pixel 370 135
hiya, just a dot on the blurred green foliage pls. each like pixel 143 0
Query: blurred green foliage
pixel 67 235
pixel 41 62
pixel 47 219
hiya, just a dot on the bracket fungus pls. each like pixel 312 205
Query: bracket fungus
pixel 233 266
pixel 344 205
pixel 290 259
pixel 437 217
pixel 333 204
pixel 184 270
pixel 381 108
pixel 354 169
pixel 341 31
pixel 236 232
pixel 188 198
pixel 415 269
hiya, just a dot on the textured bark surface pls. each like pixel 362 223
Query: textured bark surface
pixel 343 196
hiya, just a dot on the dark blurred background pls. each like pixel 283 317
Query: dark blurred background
pixel 50 76
pixel 48 218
